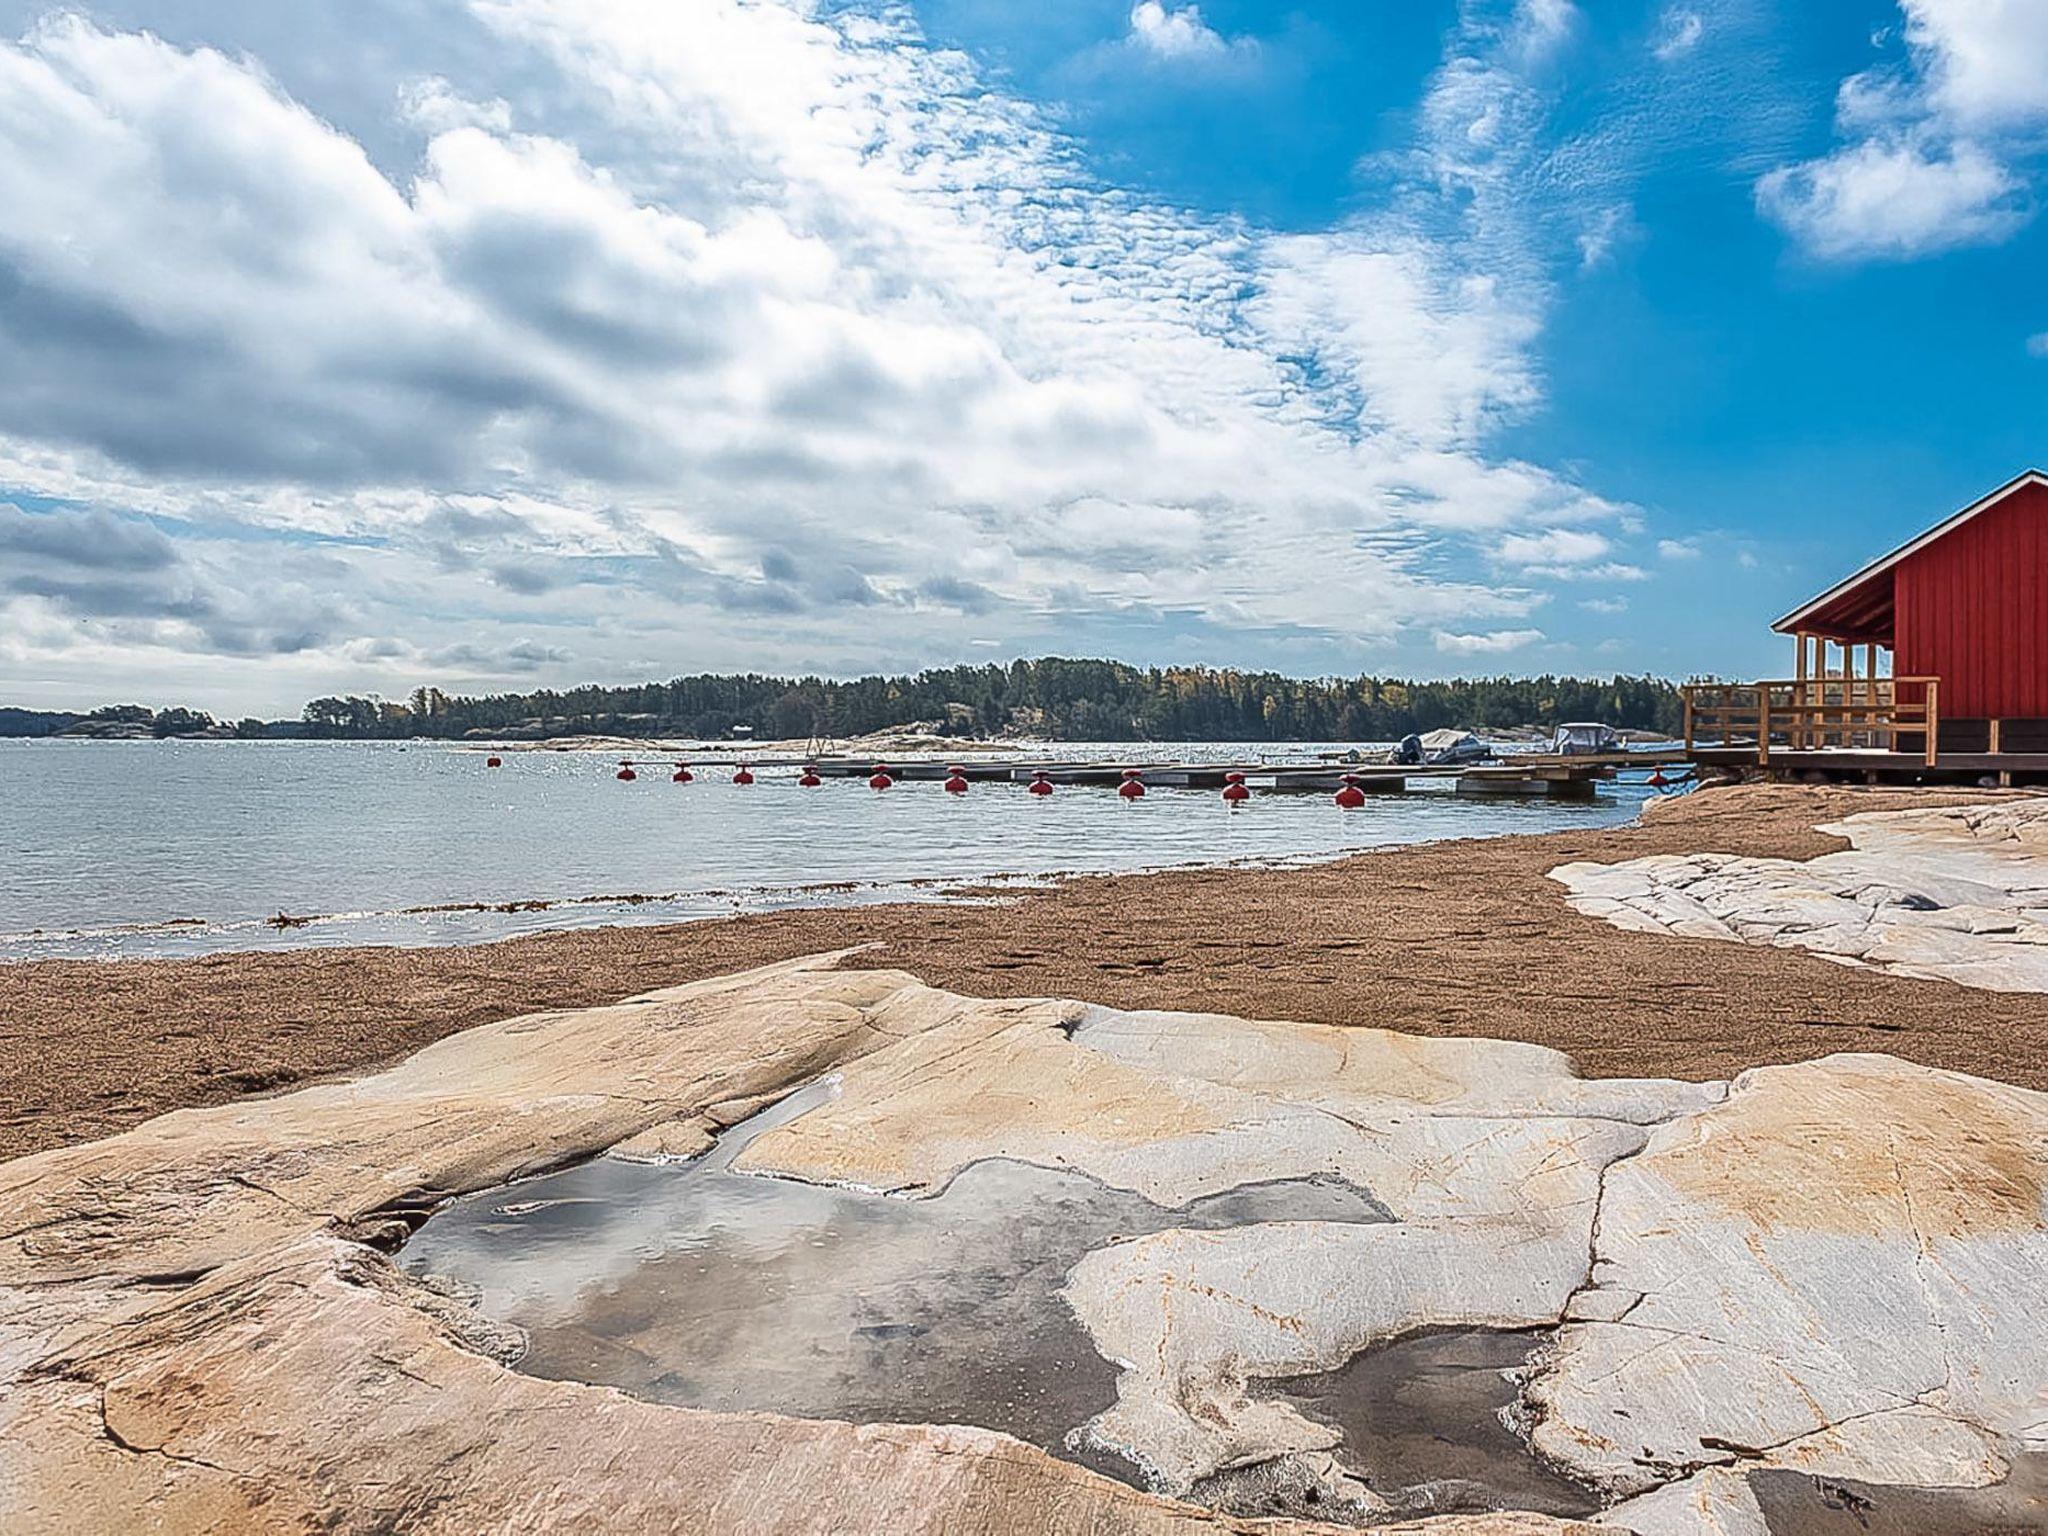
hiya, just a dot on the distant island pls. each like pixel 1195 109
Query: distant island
pixel 1052 699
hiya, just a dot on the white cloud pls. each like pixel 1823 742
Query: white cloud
pixel 1678 33
pixel 1557 546
pixel 1678 549
pixel 1607 229
pixel 1986 61
pixel 1606 570
pixel 2037 344
pixel 1493 643
pixel 1893 198
pixel 1605 605
pixel 1936 147
pixel 1178 33
pixel 790 322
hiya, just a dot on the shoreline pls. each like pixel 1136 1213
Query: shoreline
pixel 1456 937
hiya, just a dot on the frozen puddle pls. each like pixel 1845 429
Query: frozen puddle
pixel 689 1283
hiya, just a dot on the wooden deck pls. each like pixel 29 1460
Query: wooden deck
pixel 1879 730
pixel 1881 767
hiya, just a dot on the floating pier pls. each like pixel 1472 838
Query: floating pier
pixel 1520 775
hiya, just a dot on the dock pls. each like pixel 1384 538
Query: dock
pixel 1529 774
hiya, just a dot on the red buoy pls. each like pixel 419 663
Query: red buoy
pixel 1657 779
pixel 1133 787
pixel 744 776
pixel 683 775
pixel 1040 784
pixel 809 778
pixel 494 762
pixel 880 778
pixel 956 781
pixel 1233 789
pixel 626 773
pixel 1351 797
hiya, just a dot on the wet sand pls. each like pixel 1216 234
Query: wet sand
pixel 1456 938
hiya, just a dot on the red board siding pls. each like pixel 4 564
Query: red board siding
pixel 1972 610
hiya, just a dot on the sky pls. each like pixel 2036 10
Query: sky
pixel 353 345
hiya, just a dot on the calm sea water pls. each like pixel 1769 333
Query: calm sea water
pixel 178 848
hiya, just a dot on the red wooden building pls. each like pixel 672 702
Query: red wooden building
pixel 1936 653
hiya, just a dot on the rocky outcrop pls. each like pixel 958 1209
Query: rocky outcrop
pixel 1958 893
pixel 1487 1154
pixel 1833 1268
pixel 1841 1269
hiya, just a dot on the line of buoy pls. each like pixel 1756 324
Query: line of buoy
pixel 1236 791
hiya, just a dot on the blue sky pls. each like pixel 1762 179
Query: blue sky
pixel 523 342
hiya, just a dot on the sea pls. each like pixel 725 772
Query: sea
pixel 116 849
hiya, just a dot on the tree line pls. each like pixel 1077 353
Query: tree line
pixel 1052 698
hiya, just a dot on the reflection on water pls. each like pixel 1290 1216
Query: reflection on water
pixel 1425 1428
pixel 695 1285
pixel 1796 1504
pixel 106 846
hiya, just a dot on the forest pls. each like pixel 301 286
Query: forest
pixel 1052 698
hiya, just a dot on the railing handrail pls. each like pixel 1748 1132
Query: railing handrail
pixel 1800 682
pixel 1809 712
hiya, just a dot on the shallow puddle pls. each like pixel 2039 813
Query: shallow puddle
pixel 1795 1504
pixel 1423 1429
pixel 693 1284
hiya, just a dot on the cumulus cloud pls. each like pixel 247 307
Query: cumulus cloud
pixel 1937 146
pixel 2037 344
pixel 1496 642
pixel 1169 32
pixel 1898 198
pixel 1678 549
pixel 789 341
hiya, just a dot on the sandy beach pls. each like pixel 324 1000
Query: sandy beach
pixel 1455 938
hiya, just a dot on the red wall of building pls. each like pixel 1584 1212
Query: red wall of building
pixel 1972 610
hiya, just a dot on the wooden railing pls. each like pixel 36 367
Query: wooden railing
pixel 1809 714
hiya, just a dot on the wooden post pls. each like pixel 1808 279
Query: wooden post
pixel 1833 738
pixel 1995 748
pixel 1687 696
pixel 1933 719
pixel 1798 682
pixel 1763 723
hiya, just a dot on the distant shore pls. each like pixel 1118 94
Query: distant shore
pixel 1466 937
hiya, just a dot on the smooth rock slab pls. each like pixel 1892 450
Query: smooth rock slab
pixel 1835 1269
pixel 195 1337
pixel 1843 1269
pixel 1957 893
pixel 1488 1154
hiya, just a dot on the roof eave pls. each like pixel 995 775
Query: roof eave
pixel 1883 563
